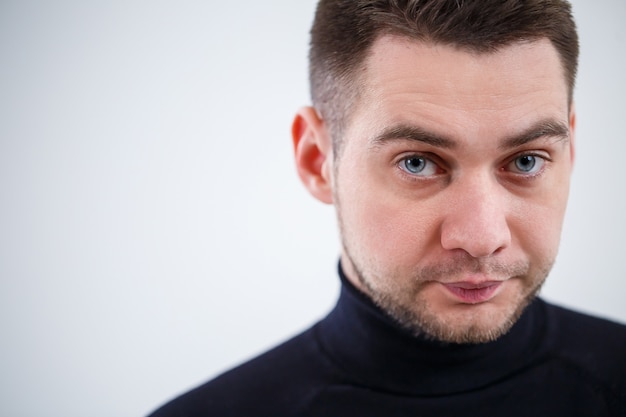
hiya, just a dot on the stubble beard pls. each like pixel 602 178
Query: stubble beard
pixel 416 316
pixel 412 312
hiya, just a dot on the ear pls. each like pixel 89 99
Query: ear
pixel 572 129
pixel 313 153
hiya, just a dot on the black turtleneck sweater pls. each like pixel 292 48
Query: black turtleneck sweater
pixel 358 362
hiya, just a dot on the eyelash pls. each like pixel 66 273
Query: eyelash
pixel 542 159
pixel 437 166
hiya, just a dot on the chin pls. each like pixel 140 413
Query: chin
pixel 459 323
pixel 480 327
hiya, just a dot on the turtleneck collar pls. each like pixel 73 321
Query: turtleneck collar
pixel 371 348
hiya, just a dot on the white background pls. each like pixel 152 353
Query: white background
pixel 152 228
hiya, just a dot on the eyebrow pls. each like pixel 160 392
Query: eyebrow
pixel 542 129
pixel 412 133
pixel 548 128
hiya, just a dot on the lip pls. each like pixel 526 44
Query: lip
pixel 472 292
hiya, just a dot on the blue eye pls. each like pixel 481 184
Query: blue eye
pixel 414 165
pixel 528 164
pixel 418 166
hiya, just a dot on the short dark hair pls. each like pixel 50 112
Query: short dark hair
pixel 344 30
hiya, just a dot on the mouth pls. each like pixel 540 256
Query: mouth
pixel 473 293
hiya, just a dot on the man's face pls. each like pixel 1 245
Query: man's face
pixel 452 182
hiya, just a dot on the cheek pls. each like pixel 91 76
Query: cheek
pixel 389 229
pixel 537 227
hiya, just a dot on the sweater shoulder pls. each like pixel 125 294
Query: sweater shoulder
pixel 585 334
pixel 281 381
pixel 594 346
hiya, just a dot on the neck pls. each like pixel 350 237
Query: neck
pixel 372 347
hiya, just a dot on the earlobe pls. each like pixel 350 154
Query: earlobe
pixel 313 153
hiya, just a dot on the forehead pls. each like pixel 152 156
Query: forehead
pixel 405 81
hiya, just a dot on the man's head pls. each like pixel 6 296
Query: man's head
pixel 452 175
pixel 344 31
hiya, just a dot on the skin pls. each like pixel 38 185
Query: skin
pixel 451 184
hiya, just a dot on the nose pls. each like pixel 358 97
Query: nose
pixel 476 218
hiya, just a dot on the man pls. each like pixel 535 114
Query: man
pixel 443 133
